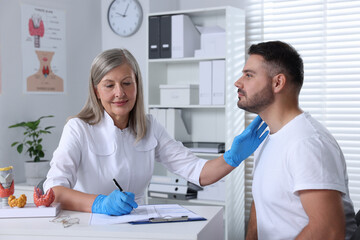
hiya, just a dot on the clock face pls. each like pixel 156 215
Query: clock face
pixel 125 17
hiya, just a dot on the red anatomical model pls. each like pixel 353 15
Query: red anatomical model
pixel 43 200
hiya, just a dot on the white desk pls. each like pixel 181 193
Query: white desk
pixel 41 228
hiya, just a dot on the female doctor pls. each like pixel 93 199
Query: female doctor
pixel 113 138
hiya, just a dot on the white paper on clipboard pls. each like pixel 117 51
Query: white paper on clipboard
pixel 144 213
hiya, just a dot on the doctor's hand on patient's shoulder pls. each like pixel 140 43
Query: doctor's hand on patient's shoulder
pixel 246 143
pixel 116 203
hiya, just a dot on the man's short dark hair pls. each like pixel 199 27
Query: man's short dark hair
pixel 281 58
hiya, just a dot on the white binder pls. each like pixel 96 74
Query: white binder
pixel 218 82
pixel 205 82
pixel 168 180
pixel 175 125
pixel 185 37
pixel 160 115
pixel 171 191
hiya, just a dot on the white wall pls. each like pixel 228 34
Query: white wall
pixel 83 43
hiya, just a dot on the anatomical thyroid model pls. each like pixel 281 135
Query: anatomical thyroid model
pixel 6 184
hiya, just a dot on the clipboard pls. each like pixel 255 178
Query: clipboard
pixel 148 214
pixel 164 220
pixel 167 213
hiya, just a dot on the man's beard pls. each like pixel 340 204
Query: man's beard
pixel 259 101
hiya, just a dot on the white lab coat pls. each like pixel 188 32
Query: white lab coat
pixel 90 156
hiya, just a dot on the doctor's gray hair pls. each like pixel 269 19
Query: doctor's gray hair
pixel 93 111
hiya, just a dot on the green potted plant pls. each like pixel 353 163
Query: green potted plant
pixel 35 169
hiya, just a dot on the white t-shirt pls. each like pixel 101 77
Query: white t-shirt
pixel 90 156
pixel 301 155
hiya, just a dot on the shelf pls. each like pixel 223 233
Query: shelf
pixel 189 106
pixel 206 123
pixel 180 60
pixel 201 12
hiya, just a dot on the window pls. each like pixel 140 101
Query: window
pixel 327 35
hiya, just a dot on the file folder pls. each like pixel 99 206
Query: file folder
pixel 154 37
pixel 174 181
pixel 218 82
pixel 165 36
pixel 159 115
pixel 175 125
pixel 172 121
pixel 168 180
pixel 205 82
pixel 185 37
pixel 171 191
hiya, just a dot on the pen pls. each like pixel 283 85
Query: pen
pixel 120 188
pixel 116 183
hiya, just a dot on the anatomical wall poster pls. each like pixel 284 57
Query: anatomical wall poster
pixel 43 49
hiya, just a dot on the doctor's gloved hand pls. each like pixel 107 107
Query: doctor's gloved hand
pixel 116 203
pixel 246 143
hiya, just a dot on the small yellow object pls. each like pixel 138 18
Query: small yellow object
pixel 6 168
pixel 17 202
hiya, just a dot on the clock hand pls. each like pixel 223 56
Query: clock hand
pixel 120 14
pixel 126 10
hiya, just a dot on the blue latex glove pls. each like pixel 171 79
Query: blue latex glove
pixel 246 143
pixel 117 203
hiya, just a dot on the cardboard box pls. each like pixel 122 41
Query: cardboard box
pixel 180 94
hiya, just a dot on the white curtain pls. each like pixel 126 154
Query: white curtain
pixel 327 35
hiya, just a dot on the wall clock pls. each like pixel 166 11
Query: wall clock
pixel 125 17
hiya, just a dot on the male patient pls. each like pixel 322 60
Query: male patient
pixel 300 183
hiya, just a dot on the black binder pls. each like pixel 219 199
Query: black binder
pixel 154 37
pixel 165 36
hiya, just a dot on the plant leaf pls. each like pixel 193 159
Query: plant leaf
pixel 22 124
pixel 41 154
pixel 48 116
pixel 31 125
pixel 20 148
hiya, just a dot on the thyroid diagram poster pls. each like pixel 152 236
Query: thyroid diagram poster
pixel 43 49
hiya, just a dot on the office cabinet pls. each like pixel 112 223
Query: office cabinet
pixel 208 122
